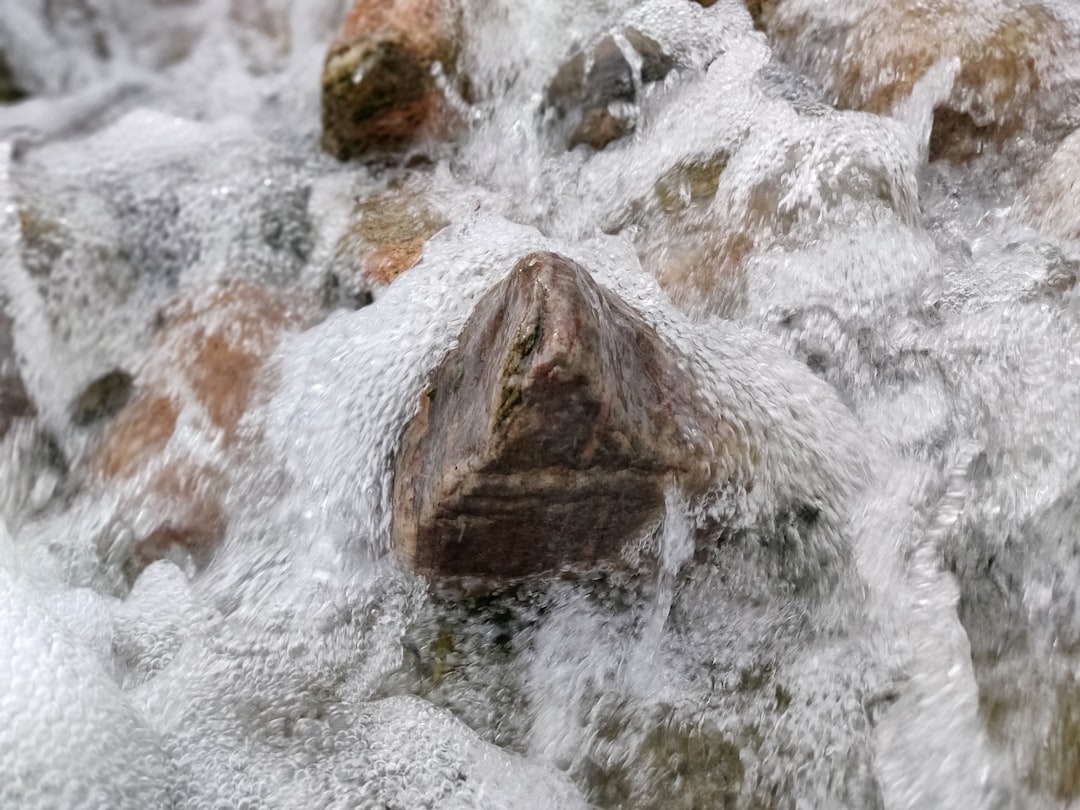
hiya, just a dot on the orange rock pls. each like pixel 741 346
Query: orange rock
pixel 379 91
pixel 207 357
pixel 1008 57
pixel 385 237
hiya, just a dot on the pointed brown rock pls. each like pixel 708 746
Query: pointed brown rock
pixel 547 436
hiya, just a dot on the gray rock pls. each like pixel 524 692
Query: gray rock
pixel 594 93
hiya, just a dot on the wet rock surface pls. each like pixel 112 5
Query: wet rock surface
pixel 547 438
pixel 102 398
pixel 379 88
pixel 594 95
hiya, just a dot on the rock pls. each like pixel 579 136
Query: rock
pixel 761 11
pixel 707 215
pixel 670 764
pixel 1011 61
pixel 10 89
pixel 1052 203
pixel 380 93
pixel 207 359
pixel 384 238
pixel 547 437
pixel 14 401
pixel 102 398
pixel 594 95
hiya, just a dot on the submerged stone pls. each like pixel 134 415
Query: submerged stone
pixel 10 89
pixel 595 93
pixel 1011 62
pixel 547 438
pixel 380 92
pixel 206 362
pixel 384 237
pixel 14 401
pixel 1052 201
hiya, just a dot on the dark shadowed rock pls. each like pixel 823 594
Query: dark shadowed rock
pixel 102 398
pixel 10 89
pixel 379 89
pixel 14 401
pixel 594 94
pixel 547 437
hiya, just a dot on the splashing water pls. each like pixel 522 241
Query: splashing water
pixel 887 618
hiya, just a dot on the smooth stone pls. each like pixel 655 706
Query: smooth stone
pixel 102 398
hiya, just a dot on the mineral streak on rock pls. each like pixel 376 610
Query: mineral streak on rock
pixel 547 437
pixel 379 90
pixel 588 89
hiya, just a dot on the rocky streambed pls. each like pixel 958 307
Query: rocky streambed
pixel 452 403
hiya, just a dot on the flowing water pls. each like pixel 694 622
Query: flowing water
pixel 888 618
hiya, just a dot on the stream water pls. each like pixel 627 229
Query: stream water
pixel 905 349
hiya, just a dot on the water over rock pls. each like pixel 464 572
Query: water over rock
pixel 548 436
pixel 1014 62
pixel 385 236
pixel 198 383
pixel 379 88
pixel 775 171
pixel 14 401
pixel 1053 196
